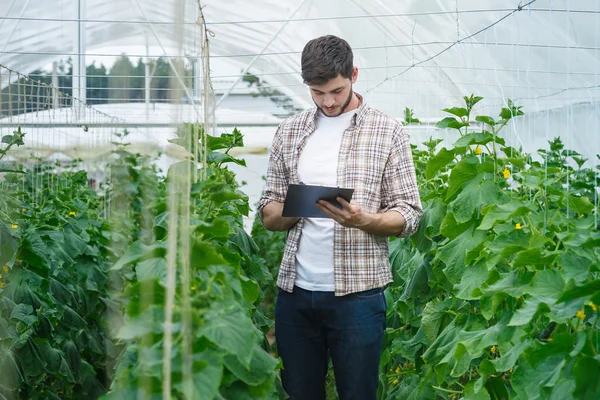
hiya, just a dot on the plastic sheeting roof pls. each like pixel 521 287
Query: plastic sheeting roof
pixel 544 56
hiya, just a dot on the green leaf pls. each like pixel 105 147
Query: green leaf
pixel 574 267
pixel 578 204
pixel 453 254
pixel 514 284
pixel 9 167
pixel 230 328
pixel 531 307
pixel 528 380
pixel 431 318
pixel 225 195
pixel 262 367
pixel 471 282
pixel 479 138
pixel 438 162
pixel 10 378
pixel 218 228
pixel 23 312
pixel 207 376
pixel 472 198
pixel 476 342
pixel 458 111
pixel 509 358
pixel 452 229
pixel 222 158
pixel 485 119
pixel 586 371
pixel 462 173
pixel 451 123
pixel 580 291
pixel 470 394
pixel 204 254
pixel 547 285
pixel 133 254
pixel 153 268
pixel 504 212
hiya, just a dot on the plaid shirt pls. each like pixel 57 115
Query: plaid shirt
pixel 375 159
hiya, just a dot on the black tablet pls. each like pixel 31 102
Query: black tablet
pixel 301 200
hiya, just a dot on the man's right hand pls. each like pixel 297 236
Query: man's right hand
pixel 272 219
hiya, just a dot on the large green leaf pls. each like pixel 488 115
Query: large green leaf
pixel 153 268
pixel 262 367
pixel 458 111
pixel 500 213
pixel 578 292
pixel 510 357
pixel 471 282
pixel 453 253
pixel 230 328
pixel 207 376
pixel 474 196
pixel 531 307
pixel 476 342
pixel 8 244
pixel 462 173
pixel 438 162
pixel 10 378
pixel 451 123
pixel 586 371
pixel 479 138
pixel 432 316
pixel 547 284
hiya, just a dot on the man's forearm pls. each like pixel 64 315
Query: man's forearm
pixel 272 219
pixel 390 223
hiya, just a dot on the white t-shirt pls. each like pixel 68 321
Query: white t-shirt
pixel 318 166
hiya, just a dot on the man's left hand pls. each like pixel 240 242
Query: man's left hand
pixel 350 216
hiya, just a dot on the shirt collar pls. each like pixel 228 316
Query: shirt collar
pixel 358 117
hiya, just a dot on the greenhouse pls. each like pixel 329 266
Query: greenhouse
pixel 148 250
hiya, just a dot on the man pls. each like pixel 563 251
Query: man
pixel 334 271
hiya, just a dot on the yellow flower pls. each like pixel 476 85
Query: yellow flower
pixel 493 350
pixel 5 268
pixel 593 306
pixel 549 340
pixel 14 226
pixel 518 226
pixel 2 285
pixel 580 314
pixel 410 364
pixel 395 382
pixel 478 150
pixel 72 213
pixel 397 370
pixel 506 174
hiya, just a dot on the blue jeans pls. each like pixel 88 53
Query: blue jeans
pixel 308 325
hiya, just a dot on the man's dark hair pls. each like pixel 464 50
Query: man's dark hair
pixel 325 58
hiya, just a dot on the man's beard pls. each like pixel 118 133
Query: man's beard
pixel 342 109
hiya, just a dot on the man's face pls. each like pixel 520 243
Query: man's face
pixel 333 97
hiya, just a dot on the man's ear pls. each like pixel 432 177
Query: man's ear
pixel 354 74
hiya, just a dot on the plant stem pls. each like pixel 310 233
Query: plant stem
pixel 446 390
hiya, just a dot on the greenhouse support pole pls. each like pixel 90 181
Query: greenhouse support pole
pixel 147 79
pixel 228 92
pixel 79 70
pixel 54 84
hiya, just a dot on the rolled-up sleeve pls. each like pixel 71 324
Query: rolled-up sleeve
pixel 399 190
pixel 277 177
